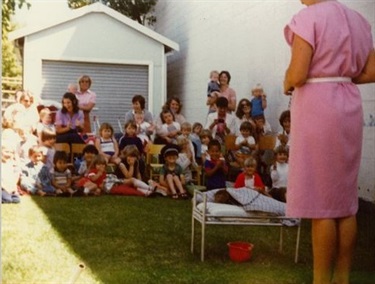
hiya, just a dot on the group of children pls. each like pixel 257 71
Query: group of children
pixel 46 171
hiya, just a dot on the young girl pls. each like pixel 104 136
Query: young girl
pixel 245 143
pixel 93 181
pixel 171 174
pixel 128 170
pixel 249 178
pixel 169 130
pixel 279 173
pixel 107 144
pixel 61 175
pixel 130 137
pixel 185 157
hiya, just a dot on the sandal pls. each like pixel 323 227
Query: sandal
pixel 184 195
pixel 175 196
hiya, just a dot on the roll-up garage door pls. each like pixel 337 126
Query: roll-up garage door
pixel 114 85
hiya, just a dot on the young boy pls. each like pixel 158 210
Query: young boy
pixel 259 101
pixel 216 169
pixel 171 174
pixel 31 170
pixel 213 84
pixel 48 138
pixel 279 173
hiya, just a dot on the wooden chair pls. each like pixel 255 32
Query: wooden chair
pixel 267 142
pixel 63 147
pixel 153 164
pixel 197 175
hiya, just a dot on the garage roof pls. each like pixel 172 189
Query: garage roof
pixel 98 8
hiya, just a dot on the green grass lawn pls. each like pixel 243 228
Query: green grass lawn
pixel 147 240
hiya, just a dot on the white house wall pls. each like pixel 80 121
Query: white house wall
pixel 94 38
pixel 246 38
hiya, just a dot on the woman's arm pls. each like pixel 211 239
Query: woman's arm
pixel 296 74
pixel 368 73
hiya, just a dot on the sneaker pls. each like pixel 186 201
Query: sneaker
pixel 86 191
pixel 161 192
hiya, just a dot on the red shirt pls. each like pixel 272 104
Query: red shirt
pixel 240 181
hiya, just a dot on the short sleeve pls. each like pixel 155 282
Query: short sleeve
pixel 303 25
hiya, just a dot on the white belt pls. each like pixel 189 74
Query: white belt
pixel 329 79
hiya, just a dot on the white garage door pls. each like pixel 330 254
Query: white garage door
pixel 114 85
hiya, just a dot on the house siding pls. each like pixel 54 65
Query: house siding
pixel 246 38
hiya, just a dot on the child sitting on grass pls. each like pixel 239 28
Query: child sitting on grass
pixel 61 175
pixel 30 171
pixel 93 181
pixel 10 174
pixel 171 174
pixel 128 171
pixel 215 168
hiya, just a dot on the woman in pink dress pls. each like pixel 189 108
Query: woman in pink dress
pixel 332 49
pixel 86 100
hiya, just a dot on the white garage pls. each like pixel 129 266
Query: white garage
pixel 122 57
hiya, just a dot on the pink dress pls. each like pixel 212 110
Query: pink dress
pixel 327 117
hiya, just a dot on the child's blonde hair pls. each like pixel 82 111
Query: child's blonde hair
pixel 130 151
pixel 206 133
pixel 258 86
pixel 98 160
pixel 181 140
pixel 250 162
pixel 186 126
pixel 213 72
pixel 44 112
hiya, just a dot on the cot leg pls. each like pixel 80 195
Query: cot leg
pixel 202 241
pixel 297 242
pixel 281 240
pixel 192 234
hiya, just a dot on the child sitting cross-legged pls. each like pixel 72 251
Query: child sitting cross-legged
pixel 30 171
pixel 93 181
pixel 171 174
pixel 61 175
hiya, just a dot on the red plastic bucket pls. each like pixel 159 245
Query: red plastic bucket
pixel 240 251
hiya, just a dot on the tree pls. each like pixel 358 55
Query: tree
pixel 10 64
pixel 138 10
